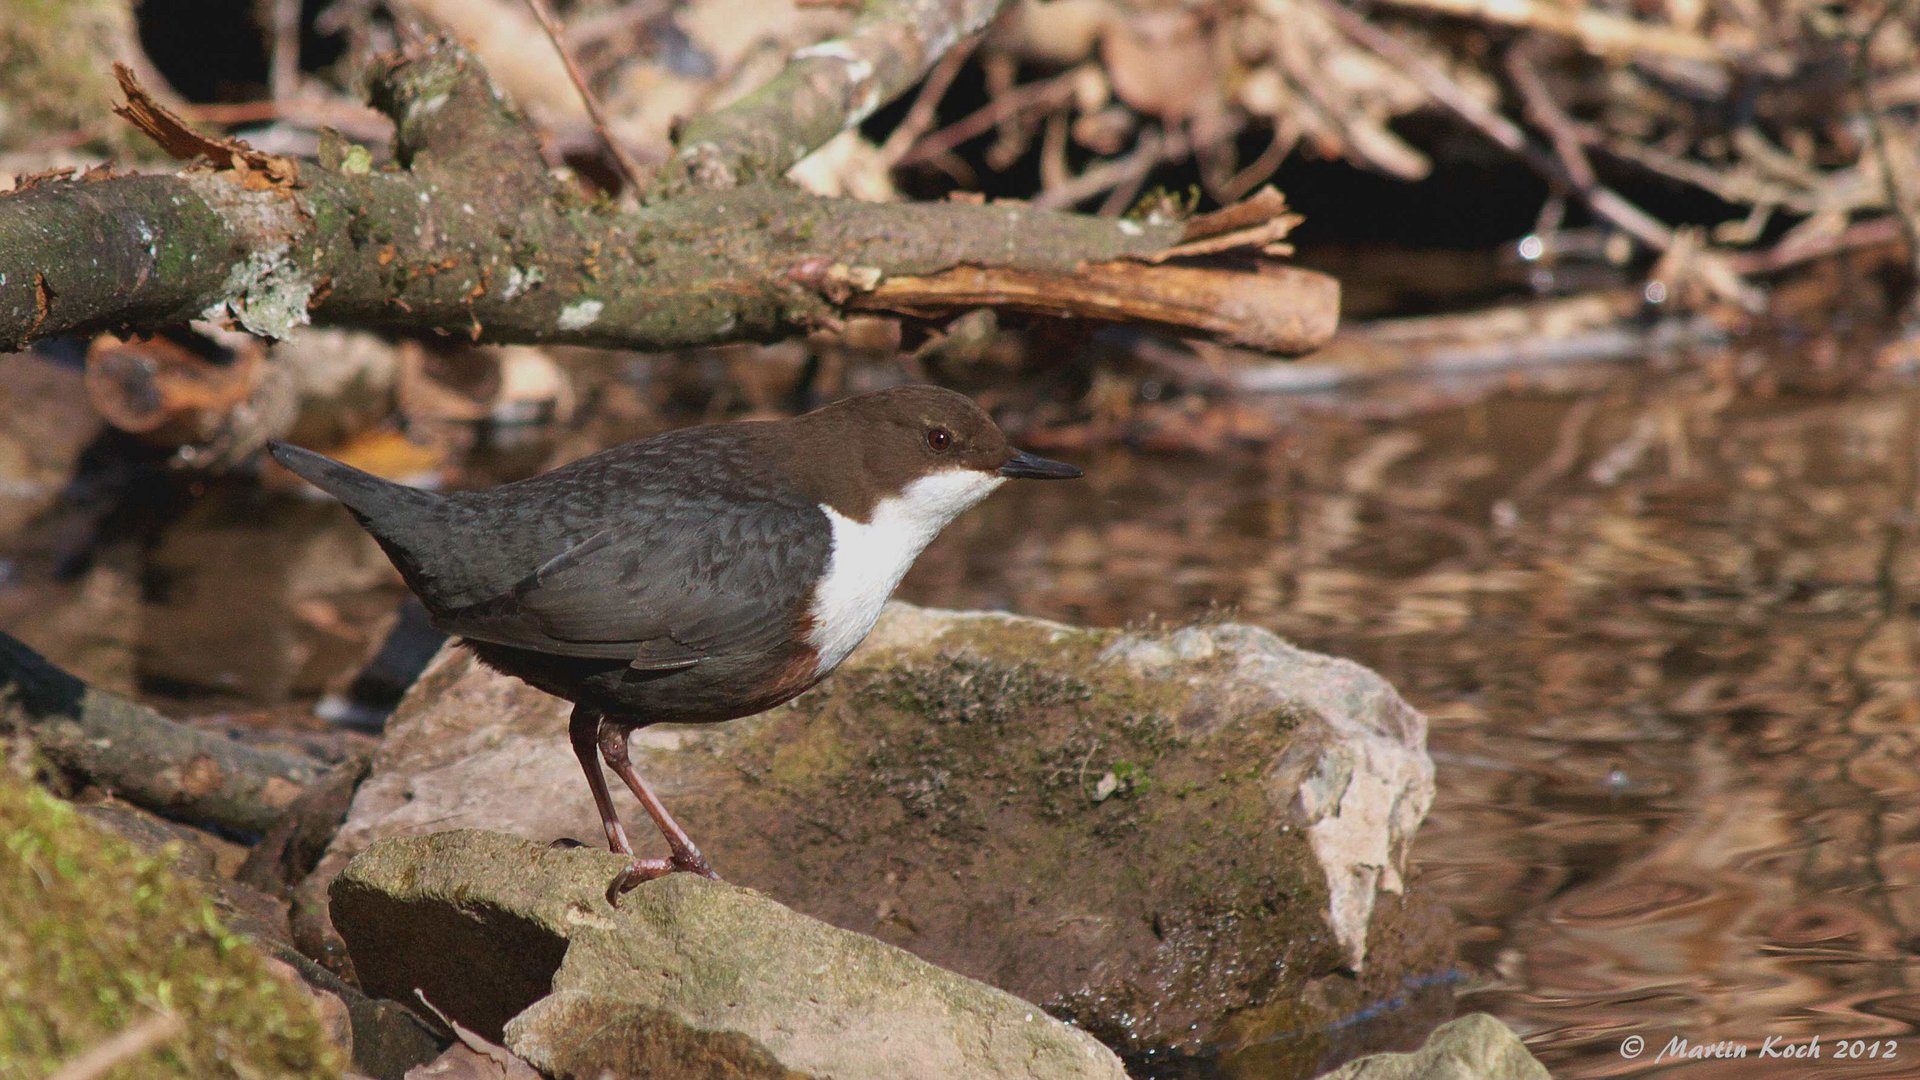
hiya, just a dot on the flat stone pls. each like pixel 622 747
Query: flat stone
pixel 688 977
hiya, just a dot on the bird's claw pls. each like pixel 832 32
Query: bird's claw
pixel 692 862
pixel 640 871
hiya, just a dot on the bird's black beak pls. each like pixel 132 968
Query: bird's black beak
pixel 1025 466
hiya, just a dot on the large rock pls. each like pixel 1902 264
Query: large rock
pixel 688 977
pixel 1185 842
pixel 1474 1047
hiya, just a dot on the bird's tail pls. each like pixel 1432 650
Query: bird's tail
pixel 365 494
pixel 409 523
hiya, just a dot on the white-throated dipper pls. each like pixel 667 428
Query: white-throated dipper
pixel 695 576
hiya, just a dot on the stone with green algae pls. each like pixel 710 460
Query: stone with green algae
pixel 96 936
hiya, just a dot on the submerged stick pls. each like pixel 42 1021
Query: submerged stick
pixel 178 771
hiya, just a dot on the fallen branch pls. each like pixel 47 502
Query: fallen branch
pixel 1597 327
pixel 1625 340
pixel 471 235
pixel 181 772
pixel 1265 306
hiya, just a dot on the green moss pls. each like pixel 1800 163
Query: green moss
pixel 95 936
pixel 965 725
pixel 56 75
pixel 796 762
pixel 1130 779
pixel 973 734
pixel 961 688
pixel 1165 204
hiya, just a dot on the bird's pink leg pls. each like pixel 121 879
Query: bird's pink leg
pixel 584 730
pixel 686 857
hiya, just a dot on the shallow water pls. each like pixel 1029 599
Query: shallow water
pixel 1665 620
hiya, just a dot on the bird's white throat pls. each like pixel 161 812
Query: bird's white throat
pixel 870 557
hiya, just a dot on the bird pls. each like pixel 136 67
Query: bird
pixel 695 576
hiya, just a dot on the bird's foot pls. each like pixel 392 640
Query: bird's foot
pixel 564 843
pixel 639 871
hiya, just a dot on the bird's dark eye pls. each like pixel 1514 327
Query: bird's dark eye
pixel 939 438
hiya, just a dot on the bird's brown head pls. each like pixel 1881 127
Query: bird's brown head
pixel 909 434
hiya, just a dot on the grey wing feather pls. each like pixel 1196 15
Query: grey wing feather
pixel 642 592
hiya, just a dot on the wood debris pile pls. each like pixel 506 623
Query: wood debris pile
pixel 1799 117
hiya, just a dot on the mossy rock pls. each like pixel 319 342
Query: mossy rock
pixel 1184 841
pixel 96 936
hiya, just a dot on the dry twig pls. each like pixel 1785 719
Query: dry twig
pixel 926 104
pixel 1575 170
pixel 1594 29
pixel 629 168
pixel 1155 148
pixel 122 1048
pixel 1037 96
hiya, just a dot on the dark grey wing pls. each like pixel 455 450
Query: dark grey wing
pixel 719 577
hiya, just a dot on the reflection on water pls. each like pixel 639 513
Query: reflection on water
pixel 1667 630
pixel 1666 625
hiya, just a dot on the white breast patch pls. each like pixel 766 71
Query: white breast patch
pixel 870 557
